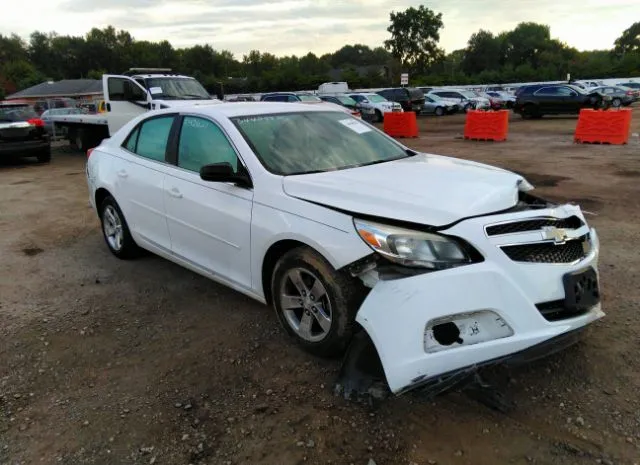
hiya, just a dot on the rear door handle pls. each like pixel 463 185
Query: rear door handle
pixel 174 192
pixel 122 174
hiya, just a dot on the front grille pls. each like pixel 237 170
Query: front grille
pixel 572 222
pixel 556 311
pixel 549 252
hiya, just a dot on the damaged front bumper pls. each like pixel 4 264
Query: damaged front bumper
pixel 435 329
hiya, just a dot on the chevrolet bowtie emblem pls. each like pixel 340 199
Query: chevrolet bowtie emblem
pixel 558 235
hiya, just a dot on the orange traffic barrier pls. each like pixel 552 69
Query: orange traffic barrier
pixel 603 126
pixel 487 125
pixel 401 124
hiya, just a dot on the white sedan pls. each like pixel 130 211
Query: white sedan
pixel 443 265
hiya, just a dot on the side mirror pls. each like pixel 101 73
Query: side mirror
pixel 223 172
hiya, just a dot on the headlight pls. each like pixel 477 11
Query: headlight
pixel 412 248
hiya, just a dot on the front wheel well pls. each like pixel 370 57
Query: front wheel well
pixel 272 256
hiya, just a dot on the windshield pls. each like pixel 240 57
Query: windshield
pixel 468 93
pixel 176 89
pixel 375 98
pixel 309 98
pixel 347 101
pixel 579 90
pixel 312 142
pixel 16 113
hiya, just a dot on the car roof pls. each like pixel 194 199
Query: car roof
pixel 233 109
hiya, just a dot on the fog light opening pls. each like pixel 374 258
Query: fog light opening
pixel 447 334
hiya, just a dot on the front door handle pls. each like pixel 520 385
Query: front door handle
pixel 122 174
pixel 174 192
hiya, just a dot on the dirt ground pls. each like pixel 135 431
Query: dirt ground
pixel 111 362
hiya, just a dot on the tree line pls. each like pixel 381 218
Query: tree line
pixel 526 53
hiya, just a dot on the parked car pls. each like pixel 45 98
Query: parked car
pixel 410 98
pixel 508 99
pixel 48 124
pixel 289 97
pixel 438 107
pixel 350 104
pixel 377 103
pixel 308 99
pixel 425 90
pixel 456 265
pixel 496 102
pixel 630 85
pixel 556 99
pixel 22 132
pixel 620 96
pixel 458 104
pixel 634 88
pixel 467 99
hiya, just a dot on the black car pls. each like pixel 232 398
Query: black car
pixel 556 99
pixel 410 98
pixel 22 132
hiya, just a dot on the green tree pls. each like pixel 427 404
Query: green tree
pixel 415 34
pixel 629 41
pixel 524 44
pixel 483 52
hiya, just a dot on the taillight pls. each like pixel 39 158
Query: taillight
pixel 36 122
pixel 629 92
pixel 89 152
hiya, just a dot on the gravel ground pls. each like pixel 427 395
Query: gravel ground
pixel 111 362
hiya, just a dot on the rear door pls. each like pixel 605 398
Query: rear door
pixel 140 169
pixel 124 100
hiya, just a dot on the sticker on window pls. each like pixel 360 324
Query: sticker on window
pixel 355 126
pixel 155 90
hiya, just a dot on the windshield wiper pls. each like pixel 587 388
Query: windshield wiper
pixel 196 96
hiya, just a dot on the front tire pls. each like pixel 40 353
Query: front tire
pixel 616 103
pixel 439 111
pixel 379 116
pixel 315 304
pixel 116 231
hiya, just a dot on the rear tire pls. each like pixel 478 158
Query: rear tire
pixel 315 304
pixel 616 103
pixel 44 156
pixel 530 111
pixel 116 231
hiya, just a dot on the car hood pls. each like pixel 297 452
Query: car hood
pixel 425 189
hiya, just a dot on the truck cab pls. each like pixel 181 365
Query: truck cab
pixel 143 89
pixel 127 95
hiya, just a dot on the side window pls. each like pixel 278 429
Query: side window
pixel 203 143
pixel 153 138
pixel 292 98
pixel 132 141
pixel 401 94
pixel 567 92
pixel 549 91
pixel 122 89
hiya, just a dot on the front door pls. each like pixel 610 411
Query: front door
pixel 209 222
pixel 124 100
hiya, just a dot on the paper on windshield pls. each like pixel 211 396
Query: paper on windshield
pixel 355 126
pixel 155 90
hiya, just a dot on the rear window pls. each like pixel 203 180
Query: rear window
pixel 9 113
pixel 416 94
pixel 309 98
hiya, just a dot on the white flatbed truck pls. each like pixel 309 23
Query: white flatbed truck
pixel 127 96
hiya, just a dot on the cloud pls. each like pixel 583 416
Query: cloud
pixel 287 27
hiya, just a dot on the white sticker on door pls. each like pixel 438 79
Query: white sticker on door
pixel 355 126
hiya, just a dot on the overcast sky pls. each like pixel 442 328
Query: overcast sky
pixel 298 26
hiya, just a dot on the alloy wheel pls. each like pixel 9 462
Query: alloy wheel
pixel 305 304
pixel 112 225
